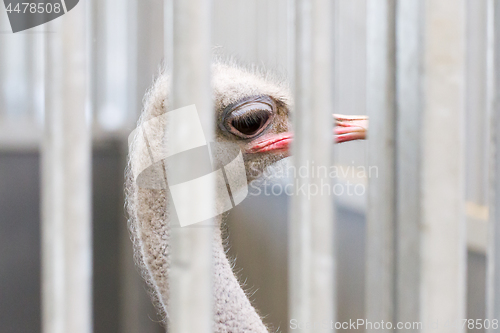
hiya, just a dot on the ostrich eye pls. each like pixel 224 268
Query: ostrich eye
pixel 251 123
pixel 249 117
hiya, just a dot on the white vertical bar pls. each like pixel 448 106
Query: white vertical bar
pixel 430 164
pixel 311 255
pixel 476 146
pixel 39 77
pixel 409 106
pixel 190 285
pixel 132 65
pixel 290 37
pixel 443 256
pixel 428 266
pixel 66 182
pixel 150 29
pixel 113 114
pixel 30 79
pixel 493 249
pixel 14 57
pixel 380 246
pixel 168 32
pixel 136 307
pixel 4 26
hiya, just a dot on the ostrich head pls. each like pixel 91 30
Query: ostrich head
pixel 252 112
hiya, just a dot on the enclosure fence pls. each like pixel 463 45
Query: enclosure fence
pixel 416 262
pixel 432 98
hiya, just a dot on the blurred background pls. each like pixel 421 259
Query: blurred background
pixel 126 52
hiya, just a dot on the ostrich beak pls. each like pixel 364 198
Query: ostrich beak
pixel 347 128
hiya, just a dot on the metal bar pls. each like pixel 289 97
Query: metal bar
pixel 408 143
pixel 136 307
pixel 168 33
pixel 66 180
pixel 15 59
pixel 416 222
pixel 4 27
pixel 443 227
pixel 380 242
pixel 476 172
pixel 113 114
pixel 150 22
pixel 493 249
pixel 430 164
pixel 190 285
pixel 290 41
pixel 311 254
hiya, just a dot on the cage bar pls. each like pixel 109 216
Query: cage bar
pixel 66 180
pixel 416 222
pixel 380 214
pixel 190 279
pixel 431 230
pixel 493 248
pixel 311 222
pixel 443 240
pixel 408 174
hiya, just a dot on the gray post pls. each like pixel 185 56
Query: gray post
pixel 66 180
pixel 416 224
pixel 408 155
pixel 443 241
pixel 430 229
pixel 190 285
pixel 380 242
pixel 493 249
pixel 311 253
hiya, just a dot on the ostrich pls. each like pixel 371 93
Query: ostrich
pixel 252 113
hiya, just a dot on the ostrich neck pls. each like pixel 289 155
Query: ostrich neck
pixel 232 308
pixel 151 233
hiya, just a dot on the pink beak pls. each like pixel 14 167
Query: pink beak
pixel 347 128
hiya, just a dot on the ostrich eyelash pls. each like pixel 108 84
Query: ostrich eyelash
pixel 248 115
